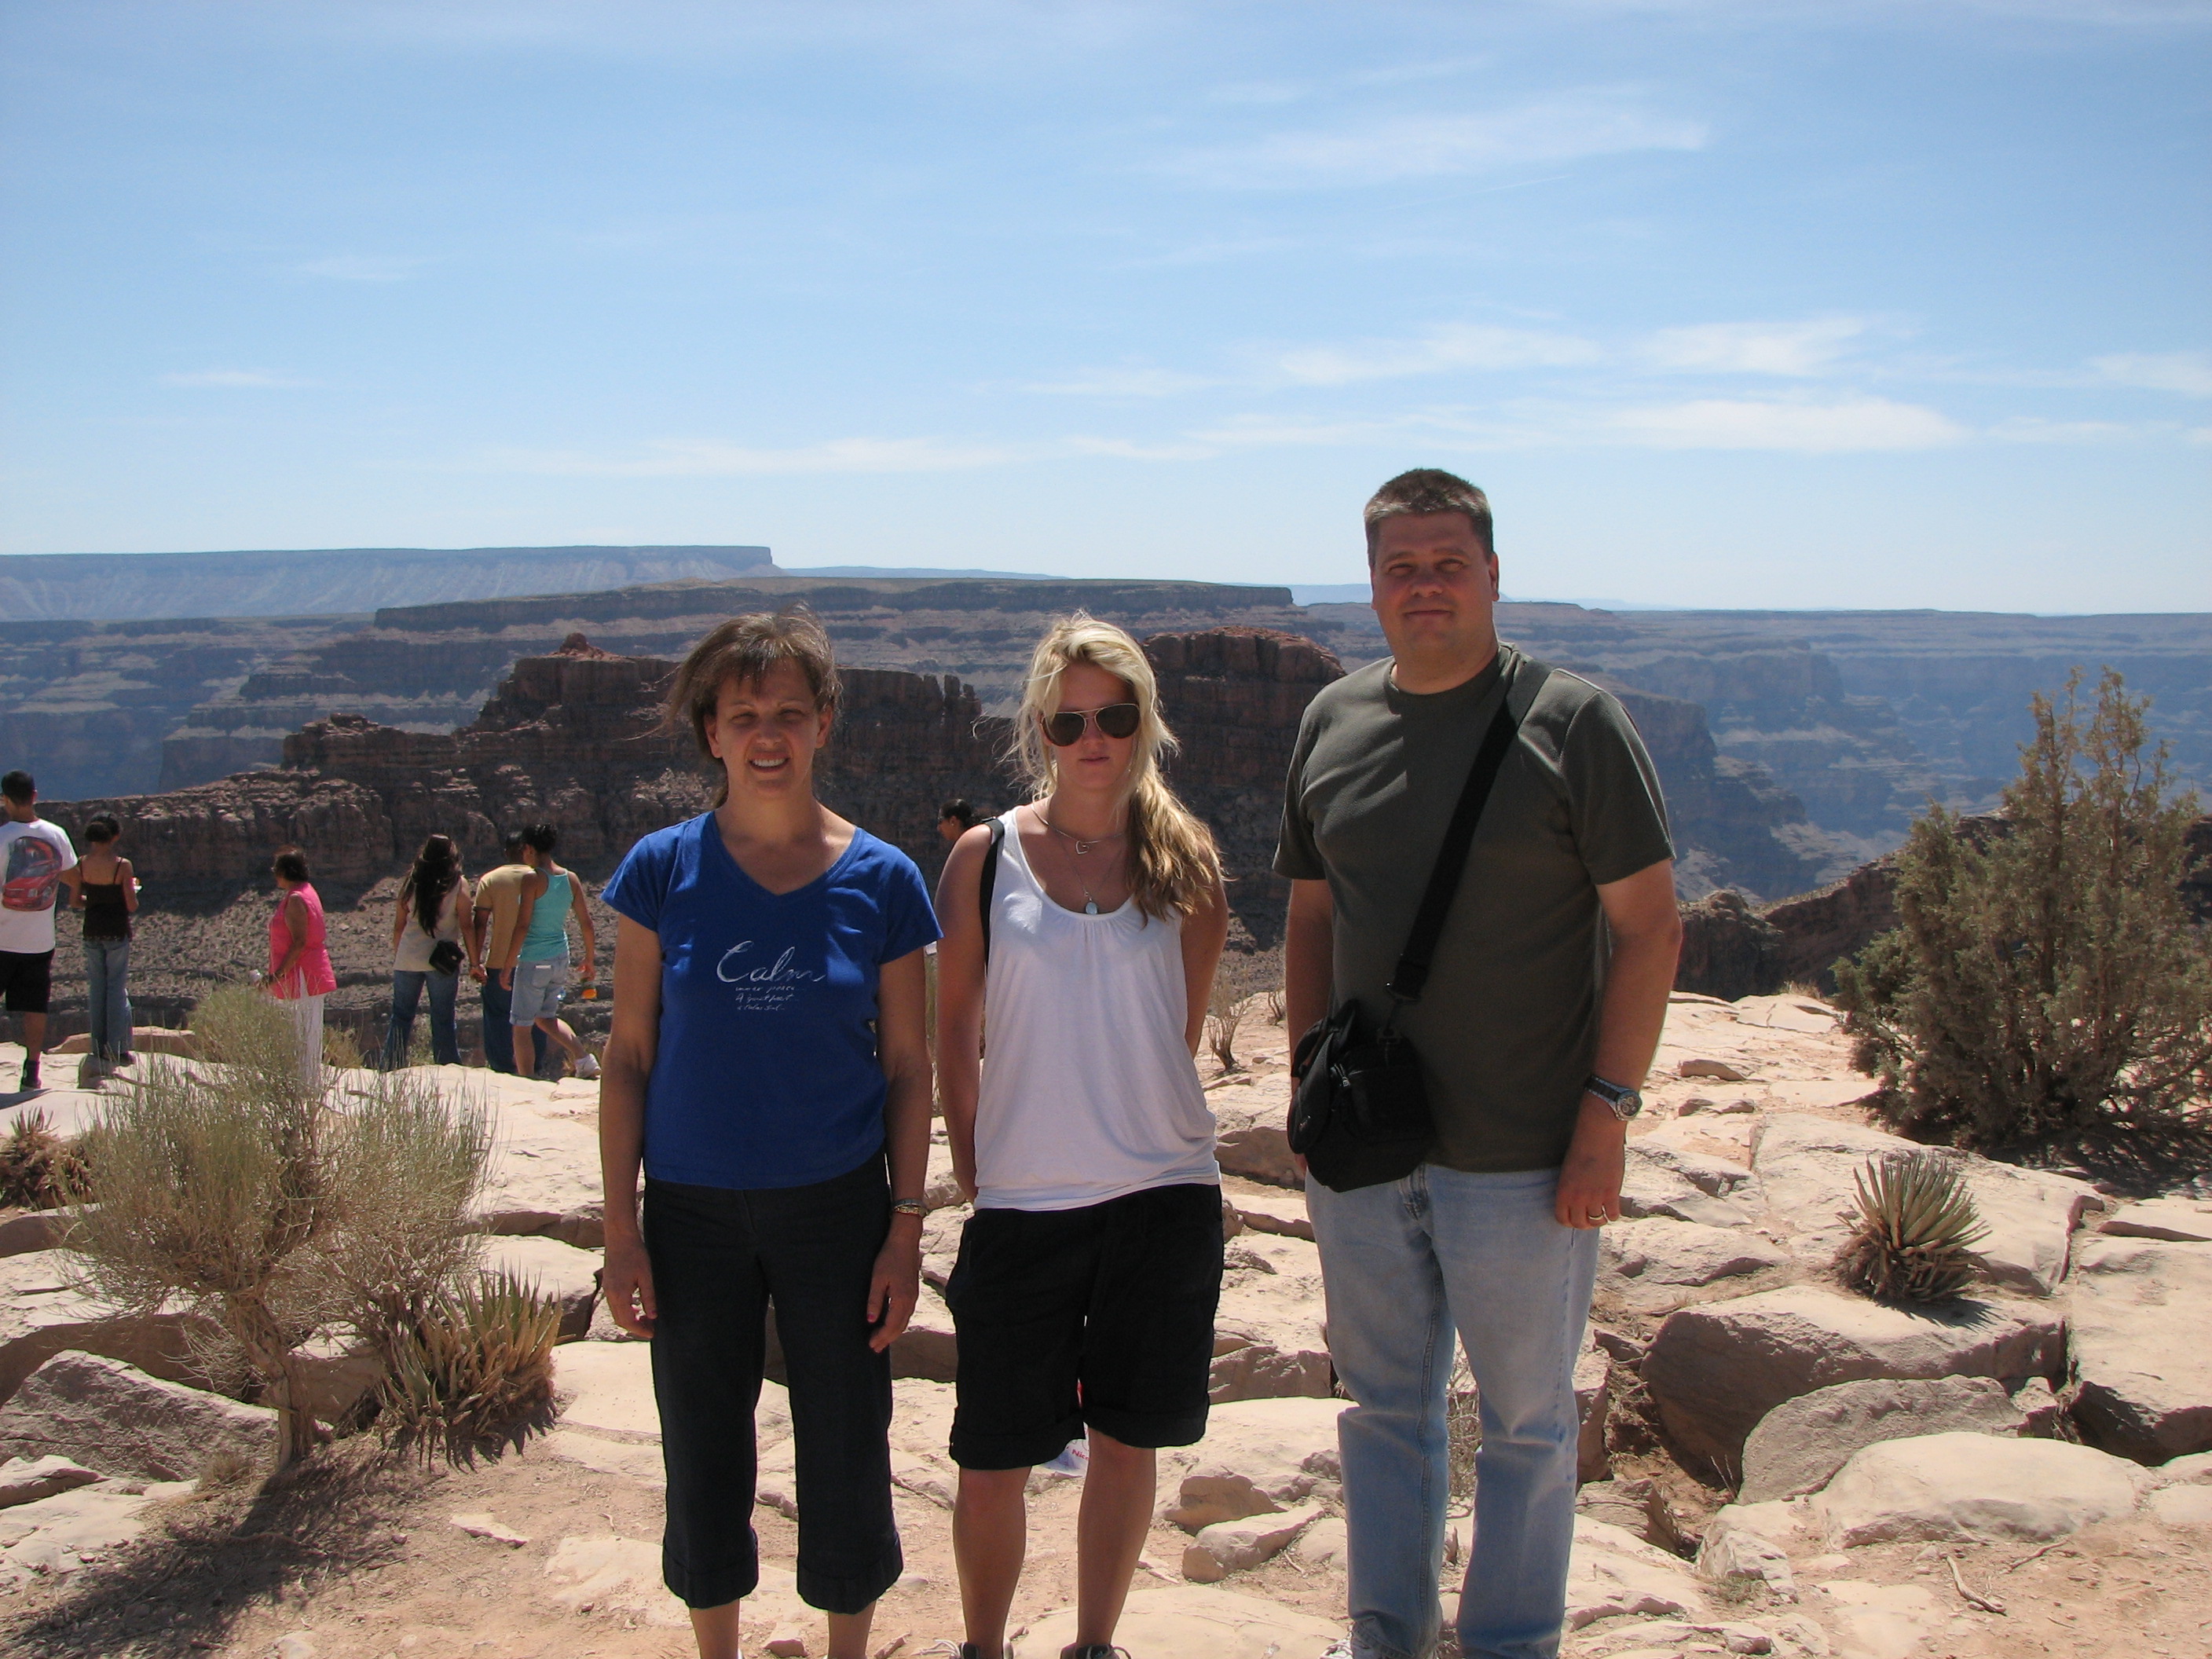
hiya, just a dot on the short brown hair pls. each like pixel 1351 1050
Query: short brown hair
pixel 1428 489
pixel 746 649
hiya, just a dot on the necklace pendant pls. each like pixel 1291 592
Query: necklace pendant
pixel 1091 907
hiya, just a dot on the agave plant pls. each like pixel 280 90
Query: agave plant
pixel 1916 1226
pixel 477 1372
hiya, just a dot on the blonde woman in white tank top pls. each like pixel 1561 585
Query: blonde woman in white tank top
pixel 1087 1281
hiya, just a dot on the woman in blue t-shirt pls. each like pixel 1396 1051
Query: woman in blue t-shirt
pixel 768 1061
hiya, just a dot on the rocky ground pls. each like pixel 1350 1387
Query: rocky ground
pixel 1772 1464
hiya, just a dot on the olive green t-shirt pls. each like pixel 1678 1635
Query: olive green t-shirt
pixel 1508 1024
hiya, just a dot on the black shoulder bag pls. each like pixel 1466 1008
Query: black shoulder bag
pixel 1360 1116
pixel 987 882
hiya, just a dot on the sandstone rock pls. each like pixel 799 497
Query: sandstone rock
pixel 928 1347
pixel 334 1371
pixel 569 1276
pixel 478 1524
pixel 58 1534
pixel 1321 1548
pixel 940 1243
pixel 2143 1367
pixel 1228 1547
pixel 1258 1457
pixel 1719 1070
pixel 1636 1506
pixel 1717 1368
pixel 2181 1506
pixel 2043 1416
pixel 41 1316
pixel 26 1480
pixel 1249 1139
pixel 1745 1541
pixel 1592 1386
pixel 1273 1211
pixel 2182 1220
pixel 1189 1621
pixel 2179 1471
pixel 295 1645
pixel 1663 1180
pixel 114 1418
pixel 1881 1621
pixel 544 1174
pixel 1612 1572
pixel 1802 1442
pixel 941 1187
pixel 1655 1265
pixel 1267 1336
pixel 606 1388
pixel 33 1229
pixel 1807 1167
pixel 615 1576
pixel 1975 1486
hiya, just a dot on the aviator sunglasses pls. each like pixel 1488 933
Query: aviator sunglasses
pixel 1115 719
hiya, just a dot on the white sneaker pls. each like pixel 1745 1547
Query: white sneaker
pixel 588 1067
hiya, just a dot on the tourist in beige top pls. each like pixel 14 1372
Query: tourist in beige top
pixel 498 901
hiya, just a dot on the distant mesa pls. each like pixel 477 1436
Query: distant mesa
pixel 346 581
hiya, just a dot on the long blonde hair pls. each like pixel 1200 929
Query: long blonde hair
pixel 1173 866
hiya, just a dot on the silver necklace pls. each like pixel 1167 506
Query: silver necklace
pixel 1089 899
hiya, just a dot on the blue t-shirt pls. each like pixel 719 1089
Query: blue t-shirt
pixel 767 1074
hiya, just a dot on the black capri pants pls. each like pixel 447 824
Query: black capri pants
pixel 719 1257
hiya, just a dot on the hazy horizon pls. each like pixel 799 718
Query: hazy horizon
pixel 1728 305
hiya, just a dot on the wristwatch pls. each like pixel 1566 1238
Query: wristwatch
pixel 913 1207
pixel 1623 1103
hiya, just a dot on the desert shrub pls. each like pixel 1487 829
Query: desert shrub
pixel 1912 1239
pixel 40 1170
pixel 1223 1021
pixel 474 1372
pixel 2044 977
pixel 227 1188
pixel 1462 1433
pixel 341 1049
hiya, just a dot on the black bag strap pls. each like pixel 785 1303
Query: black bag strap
pixel 1411 975
pixel 988 883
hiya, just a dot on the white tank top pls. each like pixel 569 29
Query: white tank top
pixel 1088 1091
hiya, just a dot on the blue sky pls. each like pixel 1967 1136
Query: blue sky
pixel 1776 303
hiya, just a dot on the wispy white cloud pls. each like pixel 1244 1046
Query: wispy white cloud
pixel 1457 346
pixel 706 459
pixel 2188 372
pixel 2199 434
pixel 1381 150
pixel 1804 348
pixel 1840 426
pixel 2034 429
pixel 364 267
pixel 1127 383
pixel 1127 449
pixel 257 380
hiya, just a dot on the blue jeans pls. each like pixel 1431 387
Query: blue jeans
pixel 499 1052
pixel 106 968
pixel 1405 1264
pixel 406 996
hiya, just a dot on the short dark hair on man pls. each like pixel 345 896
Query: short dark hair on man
pixel 510 843
pixel 959 808
pixel 18 787
pixel 1428 489
pixel 542 836
pixel 291 864
pixel 102 829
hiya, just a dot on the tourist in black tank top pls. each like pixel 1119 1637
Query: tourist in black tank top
pixel 103 886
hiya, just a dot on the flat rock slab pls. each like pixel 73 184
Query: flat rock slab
pixel 1807 1168
pixel 33 1230
pixel 1258 1457
pixel 1268 1340
pixel 1612 1572
pixel 1880 1621
pixel 1664 1179
pixel 1228 1547
pixel 1715 1370
pixel 1249 1138
pixel 40 1315
pixel 1976 1486
pixel 1189 1621
pixel 1800 1445
pixel 569 1276
pixel 1271 1210
pixel 26 1480
pixel 1656 1265
pixel 2180 1220
pixel 114 1418
pixel 2141 1355
pixel 544 1174
pixel 58 1534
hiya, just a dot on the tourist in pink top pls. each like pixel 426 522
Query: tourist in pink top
pixel 300 975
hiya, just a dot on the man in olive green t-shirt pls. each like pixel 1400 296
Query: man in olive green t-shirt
pixel 1540 1018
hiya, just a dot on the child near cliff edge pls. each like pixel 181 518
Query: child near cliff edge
pixel 1087 925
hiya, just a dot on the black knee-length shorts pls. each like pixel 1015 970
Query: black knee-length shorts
pixel 1101 1315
